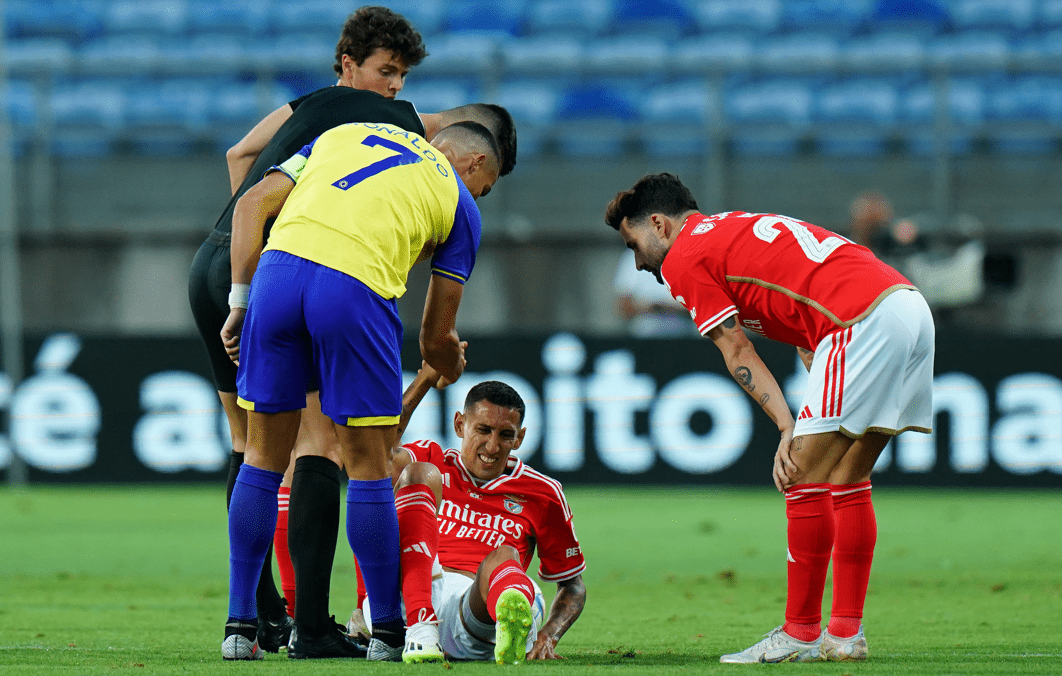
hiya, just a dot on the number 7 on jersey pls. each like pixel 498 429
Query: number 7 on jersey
pixel 404 156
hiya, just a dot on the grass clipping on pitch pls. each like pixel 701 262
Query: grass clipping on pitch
pixel 116 580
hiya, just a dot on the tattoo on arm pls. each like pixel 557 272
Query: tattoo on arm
pixel 567 606
pixel 744 377
pixel 764 399
pixel 730 322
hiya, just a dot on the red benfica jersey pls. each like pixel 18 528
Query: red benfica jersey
pixel 789 280
pixel 522 508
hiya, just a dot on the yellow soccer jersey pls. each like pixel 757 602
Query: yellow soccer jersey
pixel 369 199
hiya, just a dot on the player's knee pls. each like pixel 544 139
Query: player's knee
pixel 502 555
pixel 423 473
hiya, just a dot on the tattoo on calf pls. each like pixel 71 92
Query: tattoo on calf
pixel 744 377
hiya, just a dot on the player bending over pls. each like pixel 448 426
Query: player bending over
pixel 866 336
pixel 493 512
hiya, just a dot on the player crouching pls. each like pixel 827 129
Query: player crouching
pixel 469 523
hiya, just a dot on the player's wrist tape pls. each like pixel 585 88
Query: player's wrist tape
pixel 239 295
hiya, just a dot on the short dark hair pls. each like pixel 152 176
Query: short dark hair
pixel 652 194
pixel 372 28
pixel 477 133
pixel 497 393
pixel 500 123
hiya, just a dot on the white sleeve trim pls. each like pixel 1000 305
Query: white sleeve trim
pixel 561 577
pixel 717 319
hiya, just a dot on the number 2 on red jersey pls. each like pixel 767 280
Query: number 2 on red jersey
pixel 816 251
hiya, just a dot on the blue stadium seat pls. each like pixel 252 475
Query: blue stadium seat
pixel 966 110
pixel 921 17
pixel 534 105
pixel 714 52
pixel 66 20
pixel 324 18
pixel 460 53
pixel 21 105
pixel 39 55
pixel 235 108
pixel 769 117
pixel 1011 16
pixel 885 51
pixel 244 18
pixel 799 52
pixel 675 117
pixel 856 116
pixel 181 103
pixel 663 18
pixel 839 18
pixel 123 55
pixel 585 18
pixel 433 95
pixel 148 17
pixel 308 52
pixel 87 117
pixel 425 15
pixel 544 53
pixel 500 18
pixel 1050 15
pixel 594 118
pixel 215 53
pixel 969 51
pixel 1027 114
pixel 628 53
pixel 755 17
pixel 1041 50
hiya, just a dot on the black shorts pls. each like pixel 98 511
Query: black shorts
pixel 209 282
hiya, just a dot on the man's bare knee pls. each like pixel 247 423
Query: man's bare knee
pixel 422 473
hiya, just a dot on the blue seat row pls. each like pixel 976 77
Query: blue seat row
pixel 479 53
pixel 78 20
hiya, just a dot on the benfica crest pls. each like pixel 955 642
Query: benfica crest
pixel 513 505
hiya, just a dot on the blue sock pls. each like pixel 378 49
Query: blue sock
pixel 252 520
pixel 372 530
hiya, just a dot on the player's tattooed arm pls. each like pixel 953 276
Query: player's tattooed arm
pixel 806 357
pixel 567 606
pixel 743 375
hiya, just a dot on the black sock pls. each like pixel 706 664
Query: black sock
pixel 235 460
pixel 269 602
pixel 313 526
pixel 245 628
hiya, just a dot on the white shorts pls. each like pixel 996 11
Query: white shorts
pixel 874 376
pixel 462 636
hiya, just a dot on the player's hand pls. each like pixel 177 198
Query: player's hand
pixel 443 381
pixel 230 333
pixel 785 470
pixel 429 375
pixel 544 649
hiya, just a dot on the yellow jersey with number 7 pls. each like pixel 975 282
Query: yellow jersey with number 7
pixel 369 199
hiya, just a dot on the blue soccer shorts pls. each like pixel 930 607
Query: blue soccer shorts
pixel 305 322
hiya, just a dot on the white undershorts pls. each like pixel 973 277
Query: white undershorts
pixel 874 376
pixel 462 636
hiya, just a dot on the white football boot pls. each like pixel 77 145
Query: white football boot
pixel 422 643
pixel 777 646
pixel 836 649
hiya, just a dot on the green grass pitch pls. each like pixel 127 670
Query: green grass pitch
pixel 134 580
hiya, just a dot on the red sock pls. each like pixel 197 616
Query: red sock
pixel 280 546
pixel 809 509
pixel 508 575
pixel 853 552
pixel 363 593
pixel 418 538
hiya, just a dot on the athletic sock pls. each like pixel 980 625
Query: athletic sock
pixel 809 510
pixel 313 526
pixel 372 530
pixel 280 545
pixel 853 552
pixel 267 600
pixel 418 533
pixel 252 520
pixel 508 575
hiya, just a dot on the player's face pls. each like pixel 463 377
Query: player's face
pixel 649 251
pixel 382 72
pixel 489 433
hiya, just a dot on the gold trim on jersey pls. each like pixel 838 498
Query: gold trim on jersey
pixel 818 306
pixel 243 403
pixel 883 430
pixel 373 420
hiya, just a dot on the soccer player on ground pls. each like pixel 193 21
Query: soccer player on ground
pixel 355 210
pixel 375 51
pixel 866 336
pixel 493 512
